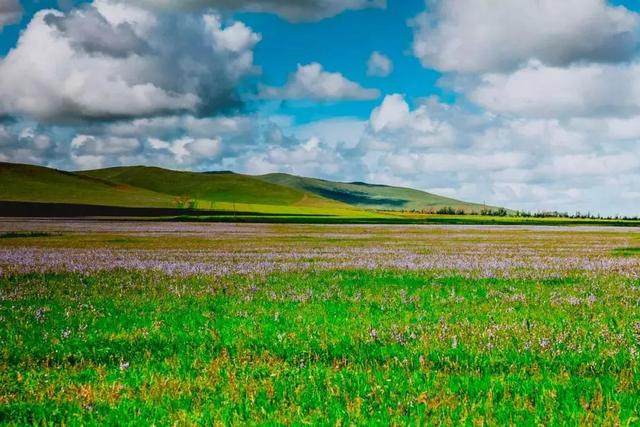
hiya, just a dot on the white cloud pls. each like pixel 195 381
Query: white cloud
pixel 292 10
pixel 379 65
pixel 393 113
pixel 10 12
pixel 415 128
pixel 338 132
pixel 312 157
pixel 526 163
pixel 96 151
pixel 25 144
pixel 108 60
pixel 313 82
pixel 578 90
pixel 91 145
pixel 473 36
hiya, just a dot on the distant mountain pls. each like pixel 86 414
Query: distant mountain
pixel 370 196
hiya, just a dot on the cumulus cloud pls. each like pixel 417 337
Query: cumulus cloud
pixel 473 36
pixel 109 60
pixel 87 30
pixel 578 90
pixel 26 144
pixel 10 12
pixel 415 128
pixel 292 10
pixel 379 65
pixel 310 157
pixel 313 82
pixel 97 151
pixel 520 162
pixel 174 142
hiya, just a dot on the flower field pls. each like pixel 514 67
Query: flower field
pixel 192 323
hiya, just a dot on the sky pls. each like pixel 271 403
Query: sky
pixel 528 104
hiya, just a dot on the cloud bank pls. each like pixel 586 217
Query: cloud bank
pixel 107 61
pixel 474 36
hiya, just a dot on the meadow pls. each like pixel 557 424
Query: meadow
pixel 123 322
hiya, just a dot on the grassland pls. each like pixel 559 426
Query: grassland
pixel 209 189
pixel 370 196
pixel 161 188
pixel 350 347
pixel 190 323
pixel 38 184
pixel 152 187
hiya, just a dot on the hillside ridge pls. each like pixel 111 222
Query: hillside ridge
pixel 152 186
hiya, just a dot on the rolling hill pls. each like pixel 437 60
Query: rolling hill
pixel 371 196
pixel 216 189
pixel 27 183
pixel 153 187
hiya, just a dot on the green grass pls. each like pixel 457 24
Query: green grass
pixel 26 183
pixel 23 234
pixel 160 188
pixel 209 189
pixel 627 252
pixel 310 216
pixel 354 347
pixel 368 196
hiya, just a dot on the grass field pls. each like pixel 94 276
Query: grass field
pixel 162 188
pixel 209 189
pixel 369 196
pixel 196 323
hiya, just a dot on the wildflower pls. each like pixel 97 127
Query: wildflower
pixel 574 301
pixel 66 333
pixel 124 366
pixel 373 334
pixel 40 314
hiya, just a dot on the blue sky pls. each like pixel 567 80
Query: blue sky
pixel 531 104
pixel 289 44
pixel 335 44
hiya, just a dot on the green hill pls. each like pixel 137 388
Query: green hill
pixel 152 187
pixel 216 189
pixel 27 183
pixel 371 196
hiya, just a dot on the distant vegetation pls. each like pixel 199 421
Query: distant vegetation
pixel 23 234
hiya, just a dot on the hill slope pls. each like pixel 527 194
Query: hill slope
pixel 27 183
pixel 370 196
pixel 152 187
pixel 220 188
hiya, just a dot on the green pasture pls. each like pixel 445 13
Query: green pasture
pixel 332 348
